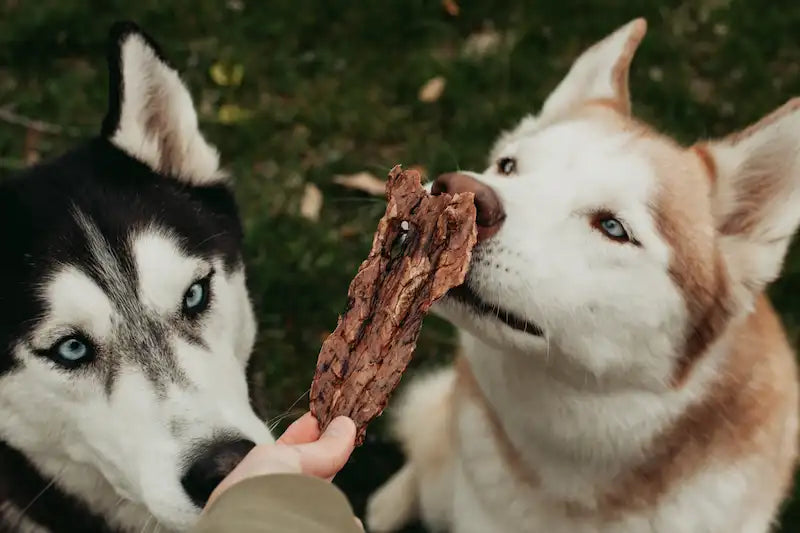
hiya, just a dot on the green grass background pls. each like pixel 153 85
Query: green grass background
pixel 331 88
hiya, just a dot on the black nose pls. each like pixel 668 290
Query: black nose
pixel 215 461
pixel 489 210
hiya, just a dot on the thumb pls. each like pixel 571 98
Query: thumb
pixel 325 457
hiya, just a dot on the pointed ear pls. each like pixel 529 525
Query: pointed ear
pixel 756 196
pixel 151 115
pixel 600 73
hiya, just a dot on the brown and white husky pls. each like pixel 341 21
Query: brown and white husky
pixel 621 369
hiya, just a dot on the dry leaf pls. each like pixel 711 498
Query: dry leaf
pixel 218 74
pixel 311 204
pixel 451 6
pixel 226 75
pixel 232 113
pixel 482 43
pixel 237 75
pixel 432 90
pixel 349 231
pixel 362 181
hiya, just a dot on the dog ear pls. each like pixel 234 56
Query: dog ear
pixel 151 115
pixel 756 195
pixel 600 73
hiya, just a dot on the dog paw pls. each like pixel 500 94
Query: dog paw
pixel 382 515
pixel 393 505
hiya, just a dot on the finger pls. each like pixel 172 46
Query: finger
pixel 304 429
pixel 325 457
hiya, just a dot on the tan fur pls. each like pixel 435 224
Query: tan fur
pixel 620 71
pixel 755 389
pixel 683 220
pixel 783 111
pixel 696 268
pixel 722 419
pixel 614 104
pixel 707 160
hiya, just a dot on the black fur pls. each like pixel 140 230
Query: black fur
pixel 118 194
pixel 21 484
pixel 39 231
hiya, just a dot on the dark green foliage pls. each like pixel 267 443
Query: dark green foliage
pixel 331 88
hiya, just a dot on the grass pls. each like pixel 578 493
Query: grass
pixel 331 88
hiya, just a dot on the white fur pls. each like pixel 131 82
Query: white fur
pixel 75 302
pixel 150 86
pixel 163 269
pixel 583 404
pixel 125 453
pixel 549 202
pixel 591 76
pixel 767 158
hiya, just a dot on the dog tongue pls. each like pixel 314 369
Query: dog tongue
pixel 421 249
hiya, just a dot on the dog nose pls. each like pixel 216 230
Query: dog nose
pixel 215 461
pixel 489 211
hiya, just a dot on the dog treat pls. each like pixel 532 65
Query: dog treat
pixel 420 251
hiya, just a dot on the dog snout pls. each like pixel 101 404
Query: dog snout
pixel 489 210
pixel 214 461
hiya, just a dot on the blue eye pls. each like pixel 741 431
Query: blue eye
pixel 197 297
pixel 194 296
pixel 611 227
pixel 71 352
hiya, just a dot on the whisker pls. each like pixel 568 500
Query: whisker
pixel 209 238
pixel 278 421
pixel 273 422
pixel 49 484
pixel 146 523
pixel 546 350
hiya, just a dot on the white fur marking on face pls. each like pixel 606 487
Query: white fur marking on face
pixel 158 123
pixel 548 265
pixel 592 409
pixel 527 126
pixel 165 272
pixel 74 301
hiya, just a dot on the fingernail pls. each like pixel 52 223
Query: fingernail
pixel 340 426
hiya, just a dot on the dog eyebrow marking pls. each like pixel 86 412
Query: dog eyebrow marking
pixel 160 287
pixel 139 337
pixel 73 300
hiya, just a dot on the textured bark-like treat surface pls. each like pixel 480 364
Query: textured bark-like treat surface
pixel 421 249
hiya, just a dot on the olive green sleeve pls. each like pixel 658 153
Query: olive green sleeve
pixel 285 503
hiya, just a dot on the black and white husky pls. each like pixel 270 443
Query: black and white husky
pixel 126 323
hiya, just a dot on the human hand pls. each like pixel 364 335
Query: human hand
pixel 300 450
